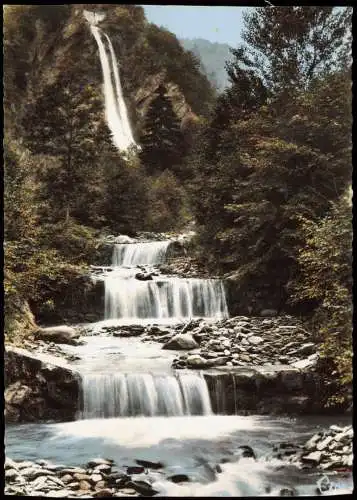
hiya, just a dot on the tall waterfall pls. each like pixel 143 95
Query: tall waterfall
pixel 115 108
pixel 133 394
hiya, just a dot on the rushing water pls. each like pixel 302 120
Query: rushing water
pixel 189 444
pixel 144 394
pixel 115 108
pixel 159 298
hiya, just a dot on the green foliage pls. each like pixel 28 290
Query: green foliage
pixel 161 140
pixel 125 204
pixel 168 204
pixel 326 264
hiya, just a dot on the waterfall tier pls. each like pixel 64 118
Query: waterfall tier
pixel 140 253
pixel 164 298
pixel 120 394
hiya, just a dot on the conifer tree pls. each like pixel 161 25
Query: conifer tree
pixel 161 140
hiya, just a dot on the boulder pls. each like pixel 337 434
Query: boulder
pixel 181 341
pixel 59 334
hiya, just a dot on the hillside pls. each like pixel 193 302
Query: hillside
pixel 213 57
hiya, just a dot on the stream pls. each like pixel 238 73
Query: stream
pixel 134 405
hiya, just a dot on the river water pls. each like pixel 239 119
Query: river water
pixel 135 406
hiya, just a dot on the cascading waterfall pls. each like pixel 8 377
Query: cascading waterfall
pixel 140 253
pixel 134 394
pixel 115 108
pixel 164 298
pixel 161 297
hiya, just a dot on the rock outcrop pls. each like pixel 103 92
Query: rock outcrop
pixel 39 387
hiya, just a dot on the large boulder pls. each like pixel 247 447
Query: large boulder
pixel 39 387
pixel 59 334
pixel 181 341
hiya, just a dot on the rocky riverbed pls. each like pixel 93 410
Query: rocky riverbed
pixel 324 455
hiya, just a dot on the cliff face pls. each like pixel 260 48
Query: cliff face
pixel 58 41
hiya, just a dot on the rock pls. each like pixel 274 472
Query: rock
pixel 322 445
pixel 268 312
pixel 58 493
pixel 67 478
pixel 59 334
pixel 149 465
pixel 313 458
pixel 196 361
pixel 104 492
pixel 288 492
pixel 305 349
pixel 11 474
pixel 144 276
pixel 312 442
pixel 102 468
pixel 123 238
pixel 95 478
pixel 182 341
pixel 255 340
pixel 247 451
pixel 81 477
pixel 135 469
pixel 142 487
pixel 178 478
pixel 84 485
pixel 10 464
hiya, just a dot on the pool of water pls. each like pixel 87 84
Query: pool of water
pixel 190 445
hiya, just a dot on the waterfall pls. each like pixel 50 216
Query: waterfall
pixel 134 394
pixel 115 108
pixel 140 253
pixel 164 298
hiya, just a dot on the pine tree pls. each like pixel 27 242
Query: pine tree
pixel 161 140
pixel 65 125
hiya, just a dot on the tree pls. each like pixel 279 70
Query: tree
pixel 161 140
pixel 288 47
pixel 65 125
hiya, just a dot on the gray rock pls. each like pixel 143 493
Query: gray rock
pixel 59 334
pixel 255 340
pixel 312 442
pixel 268 312
pixel 312 458
pixel 11 474
pixel 182 341
pixel 196 361
pixel 322 445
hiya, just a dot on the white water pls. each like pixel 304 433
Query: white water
pixel 115 108
pixel 140 253
pixel 144 394
pixel 161 298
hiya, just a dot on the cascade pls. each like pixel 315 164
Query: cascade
pixel 130 254
pixel 134 394
pixel 161 297
pixel 115 108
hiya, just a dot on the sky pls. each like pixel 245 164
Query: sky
pixel 213 23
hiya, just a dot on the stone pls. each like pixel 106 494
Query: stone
pixel 322 445
pixel 104 492
pixel 196 361
pixel 288 492
pixel 67 478
pixel 81 477
pixel 149 465
pixel 10 464
pixel 33 473
pixel 268 312
pixel 312 458
pixel 103 468
pixel 135 469
pixel 181 341
pixel 247 451
pixel 95 478
pixel 255 340
pixel 143 487
pixel 312 442
pixel 11 474
pixel 62 334
pixel 178 478
pixel 84 485
pixel 58 493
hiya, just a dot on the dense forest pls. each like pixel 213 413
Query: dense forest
pixel 264 169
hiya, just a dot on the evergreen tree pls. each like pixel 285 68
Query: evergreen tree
pixel 161 140
pixel 65 124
